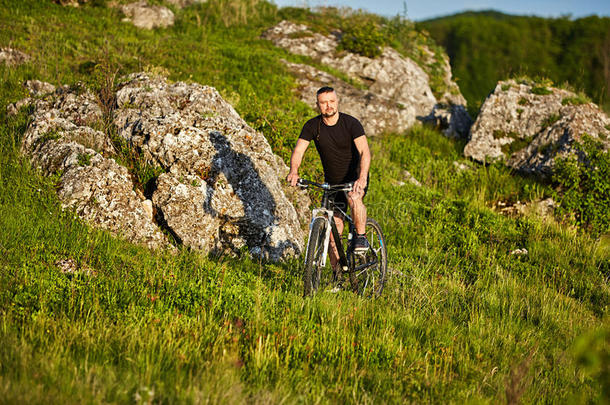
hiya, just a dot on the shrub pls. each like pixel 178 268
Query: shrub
pixel 84 159
pixel 550 120
pixel 593 354
pixel 576 100
pixel 541 91
pixel 362 38
pixel 584 186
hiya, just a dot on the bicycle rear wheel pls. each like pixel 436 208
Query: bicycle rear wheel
pixel 313 260
pixel 368 271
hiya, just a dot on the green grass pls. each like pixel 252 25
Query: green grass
pixel 462 319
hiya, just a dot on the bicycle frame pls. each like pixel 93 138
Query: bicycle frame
pixel 326 212
pixel 356 264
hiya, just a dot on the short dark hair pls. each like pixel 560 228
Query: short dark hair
pixel 325 89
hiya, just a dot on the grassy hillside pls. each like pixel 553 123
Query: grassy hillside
pixel 462 319
pixel 488 46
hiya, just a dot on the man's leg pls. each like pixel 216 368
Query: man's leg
pixel 358 211
pixel 359 242
pixel 332 252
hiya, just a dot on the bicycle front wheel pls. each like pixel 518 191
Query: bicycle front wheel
pixel 313 260
pixel 368 271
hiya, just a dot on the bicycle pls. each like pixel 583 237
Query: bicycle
pixel 367 271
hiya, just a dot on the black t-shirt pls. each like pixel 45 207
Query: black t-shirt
pixel 340 158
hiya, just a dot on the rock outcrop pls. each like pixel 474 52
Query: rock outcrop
pixel 378 114
pixel 219 189
pixel 452 119
pixel 61 140
pixel 143 15
pixel 527 126
pixel 12 57
pixel 397 84
pixel 191 131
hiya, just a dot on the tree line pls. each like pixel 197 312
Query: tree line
pixel 488 46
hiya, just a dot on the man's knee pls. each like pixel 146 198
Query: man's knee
pixel 354 199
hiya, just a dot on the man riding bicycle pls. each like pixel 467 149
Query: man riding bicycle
pixel 341 143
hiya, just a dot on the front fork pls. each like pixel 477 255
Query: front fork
pixel 327 215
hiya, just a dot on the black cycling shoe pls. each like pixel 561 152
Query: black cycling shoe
pixel 360 244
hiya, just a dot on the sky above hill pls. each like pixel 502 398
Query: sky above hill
pixel 422 9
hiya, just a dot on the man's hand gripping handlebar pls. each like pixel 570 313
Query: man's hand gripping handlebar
pixel 303 183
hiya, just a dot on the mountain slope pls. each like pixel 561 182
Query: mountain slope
pixel 467 314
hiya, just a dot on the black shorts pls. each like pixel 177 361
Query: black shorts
pixel 340 199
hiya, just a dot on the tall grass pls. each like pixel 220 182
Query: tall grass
pixel 461 319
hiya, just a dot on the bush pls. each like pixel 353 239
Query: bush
pixel 541 91
pixel 362 38
pixel 579 99
pixel 584 186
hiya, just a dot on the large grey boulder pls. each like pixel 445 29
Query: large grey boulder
pixel 378 114
pixel 449 114
pixel 60 140
pixel 143 15
pixel 220 188
pixel 211 156
pixel 395 81
pixel 528 125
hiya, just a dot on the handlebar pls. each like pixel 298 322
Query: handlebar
pixel 304 183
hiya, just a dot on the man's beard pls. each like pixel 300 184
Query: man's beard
pixel 329 114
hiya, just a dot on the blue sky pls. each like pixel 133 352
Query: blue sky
pixel 422 9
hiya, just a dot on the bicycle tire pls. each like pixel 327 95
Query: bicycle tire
pixel 369 282
pixel 315 249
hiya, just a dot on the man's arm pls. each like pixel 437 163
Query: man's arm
pixel 295 161
pixel 365 163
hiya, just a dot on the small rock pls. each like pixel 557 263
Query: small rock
pixel 460 166
pixel 520 252
pixel 143 15
pixel 147 206
pixel 70 267
pixel 39 88
pixel 410 178
pixel 12 57
pixel 542 208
